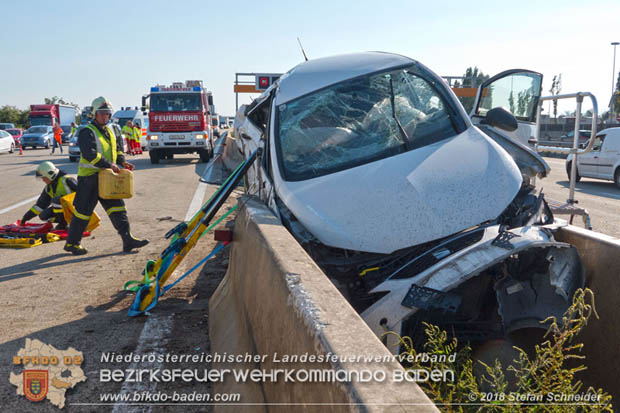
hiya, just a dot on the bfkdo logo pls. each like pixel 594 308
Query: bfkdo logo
pixel 47 372
pixel 36 384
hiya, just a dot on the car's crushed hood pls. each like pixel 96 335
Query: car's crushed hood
pixel 407 199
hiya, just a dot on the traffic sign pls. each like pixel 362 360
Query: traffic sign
pixel 264 80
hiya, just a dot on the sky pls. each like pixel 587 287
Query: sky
pixel 119 49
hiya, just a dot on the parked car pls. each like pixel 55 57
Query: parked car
pixel 17 135
pixel 584 135
pixel 7 143
pixel 414 211
pixel 74 148
pixel 38 136
pixel 66 133
pixel 4 126
pixel 603 161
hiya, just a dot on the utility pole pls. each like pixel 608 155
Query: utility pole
pixel 613 78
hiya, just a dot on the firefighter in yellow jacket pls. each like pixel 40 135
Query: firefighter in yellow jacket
pixel 57 185
pixel 100 148
pixel 137 136
pixel 128 132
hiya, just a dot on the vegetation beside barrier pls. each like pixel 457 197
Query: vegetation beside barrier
pixel 542 383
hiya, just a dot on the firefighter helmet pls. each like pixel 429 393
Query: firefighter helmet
pixel 47 170
pixel 103 105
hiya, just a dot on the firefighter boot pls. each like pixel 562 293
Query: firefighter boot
pixel 75 249
pixel 74 236
pixel 130 242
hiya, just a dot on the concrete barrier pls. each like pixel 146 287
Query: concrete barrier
pixel 601 338
pixel 276 302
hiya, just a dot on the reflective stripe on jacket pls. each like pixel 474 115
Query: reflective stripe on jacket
pixel 61 189
pixel 105 149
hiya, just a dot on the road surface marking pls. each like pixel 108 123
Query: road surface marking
pixel 152 340
pixel 17 205
pixel 196 203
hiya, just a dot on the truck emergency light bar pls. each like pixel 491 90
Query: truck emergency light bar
pixel 189 86
pixel 176 89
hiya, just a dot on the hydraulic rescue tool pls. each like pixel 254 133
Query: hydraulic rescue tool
pixel 184 237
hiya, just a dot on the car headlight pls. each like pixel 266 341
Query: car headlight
pixel 200 136
pixel 151 138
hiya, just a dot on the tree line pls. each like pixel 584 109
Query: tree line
pixel 20 117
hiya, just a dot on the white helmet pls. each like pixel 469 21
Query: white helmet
pixel 101 104
pixel 47 170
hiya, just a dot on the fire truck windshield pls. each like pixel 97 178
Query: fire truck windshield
pixel 176 102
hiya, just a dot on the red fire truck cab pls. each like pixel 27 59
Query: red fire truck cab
pixel 179 120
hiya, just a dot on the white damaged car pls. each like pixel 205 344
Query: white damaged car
pixel 414 210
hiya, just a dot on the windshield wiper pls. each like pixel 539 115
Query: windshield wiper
pixel 403 133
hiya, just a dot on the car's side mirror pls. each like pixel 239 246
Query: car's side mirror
pixel 502 119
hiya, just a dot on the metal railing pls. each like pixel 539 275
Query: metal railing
pixel 575 151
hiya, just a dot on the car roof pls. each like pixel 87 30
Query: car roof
pixel 607 130
pixel 319 73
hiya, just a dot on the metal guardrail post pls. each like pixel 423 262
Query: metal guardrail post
pixel 575 149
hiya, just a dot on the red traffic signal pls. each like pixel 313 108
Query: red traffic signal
pixel 263 82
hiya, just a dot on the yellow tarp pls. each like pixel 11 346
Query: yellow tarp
pixel 68 209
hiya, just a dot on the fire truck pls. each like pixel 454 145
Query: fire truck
pixel 179 120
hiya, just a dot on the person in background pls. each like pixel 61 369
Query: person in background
pixel 137 135
pixel 73 129
pixel 57 138
pixel 127 131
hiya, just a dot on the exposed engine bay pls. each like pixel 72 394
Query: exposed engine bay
pixel 480 284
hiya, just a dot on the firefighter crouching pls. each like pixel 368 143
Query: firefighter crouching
pixel 100 148
pixel 57 185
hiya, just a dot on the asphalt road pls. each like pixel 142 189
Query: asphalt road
pixel 600 198
pixel 66 301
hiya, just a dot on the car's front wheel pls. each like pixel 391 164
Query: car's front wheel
pixel 12 148
pixel 617 177
pixel 577 177
pixel 47 145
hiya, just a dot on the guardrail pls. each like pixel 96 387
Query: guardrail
pixel 574 150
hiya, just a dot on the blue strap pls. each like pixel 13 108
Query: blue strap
pixel 202 261
pixel 134 310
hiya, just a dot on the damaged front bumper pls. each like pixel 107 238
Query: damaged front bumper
pixel 508 280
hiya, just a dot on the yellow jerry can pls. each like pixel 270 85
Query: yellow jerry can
pixel 115 186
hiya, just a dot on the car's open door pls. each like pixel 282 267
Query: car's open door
pixel 517 91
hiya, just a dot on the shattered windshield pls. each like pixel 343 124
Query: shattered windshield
pixel 360 121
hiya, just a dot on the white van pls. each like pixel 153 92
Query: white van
pixel 603 162
pixel 121 117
